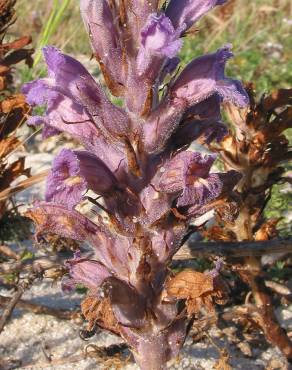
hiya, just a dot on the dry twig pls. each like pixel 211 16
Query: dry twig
pixel 10 307
pixel 40 309
pixel 234 249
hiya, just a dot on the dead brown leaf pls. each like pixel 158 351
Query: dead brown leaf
pixel 189 284
pixel 7 145
pixel 14 102
pixel 99 312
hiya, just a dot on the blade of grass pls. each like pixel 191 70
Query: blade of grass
pixel 51 26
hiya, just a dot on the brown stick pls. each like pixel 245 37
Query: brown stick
pixel 22 185
pixel 10 307
pixel 8 252
pixel 268 321
pixel 39 309
pixel 234 249
pixel 31 264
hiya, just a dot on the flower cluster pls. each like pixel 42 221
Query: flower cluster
pixel 149 184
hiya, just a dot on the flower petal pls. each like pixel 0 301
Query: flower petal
pixel 202 191
pixel 158 40
pixel 91 274
pixel 99 21
pixel 71 89
pixel 57 219
pixel 183 170
pixel 65 183
pixel 204 76
pixel 189 11
pixel 72 173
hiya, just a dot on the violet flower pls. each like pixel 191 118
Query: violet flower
pixel 158 40
pixel 136 160
pixel 189 11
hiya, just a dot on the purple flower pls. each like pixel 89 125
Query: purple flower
pixel 158 40
pixel 189 11
pixel 135 160
pixel 73 97
pixel 200 80
pixel 65 184
pixel 73 173
pixel 188 175
pixel 99 21
pixel 91 274
pixel 204 77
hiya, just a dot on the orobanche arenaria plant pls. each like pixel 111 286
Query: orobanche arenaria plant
pixel 149 185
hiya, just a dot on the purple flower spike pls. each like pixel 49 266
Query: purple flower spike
pixel 73 173
pixel 148 185
pixel 189 11
pixel 158 39
pixel 205 76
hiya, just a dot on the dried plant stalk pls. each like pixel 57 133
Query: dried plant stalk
pixel 13 108
pixel 257 148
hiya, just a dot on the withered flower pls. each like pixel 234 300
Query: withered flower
pixel 257 148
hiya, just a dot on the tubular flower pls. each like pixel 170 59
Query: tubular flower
pixel 158 39
pixel 188 11
pixel 75 172
pixel 135 160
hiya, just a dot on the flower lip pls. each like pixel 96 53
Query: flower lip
pixel 204 77
pixel 159 40
pixel 65 184
pixel 73 172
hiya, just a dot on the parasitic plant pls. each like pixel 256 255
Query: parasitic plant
pixel 256 147
pixel 149 184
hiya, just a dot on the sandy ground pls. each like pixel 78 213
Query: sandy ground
pixel 31 341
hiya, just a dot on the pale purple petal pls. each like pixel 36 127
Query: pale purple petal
pixel 158 40
pixel 89 273
pixel 204 77
pixel 161 124
pixel 65 183
pixel 155 204
pixel 189 11
pixel 183 170
pixel 201 191
pixel 73 172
